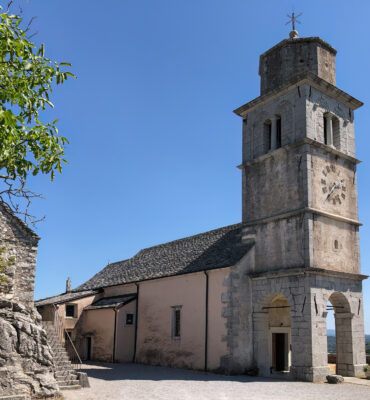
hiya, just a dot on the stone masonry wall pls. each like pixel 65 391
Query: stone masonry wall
pixel 317 105
pixel 18 250
pixel 291 107
pixel 294 56
pixel 26 363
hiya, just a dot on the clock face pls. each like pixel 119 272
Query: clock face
pixel 333 185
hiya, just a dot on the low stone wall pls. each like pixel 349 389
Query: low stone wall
pixel 332 358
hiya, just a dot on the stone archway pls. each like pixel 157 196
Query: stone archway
pixel 343 332
pixel 272 335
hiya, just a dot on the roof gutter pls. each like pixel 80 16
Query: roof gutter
pixel 136 321
pixel 206 325
pixel 114 334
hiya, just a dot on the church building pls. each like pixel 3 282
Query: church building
pixel 250 297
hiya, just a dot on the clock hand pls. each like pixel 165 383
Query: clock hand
pixel 335 185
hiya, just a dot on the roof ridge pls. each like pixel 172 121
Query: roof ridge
pixel 187 237
pixel 61 294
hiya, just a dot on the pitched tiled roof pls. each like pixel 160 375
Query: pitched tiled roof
pixel 210 250
pixel 65 297
pixel 111 302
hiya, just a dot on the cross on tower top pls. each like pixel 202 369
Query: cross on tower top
pixel 293 19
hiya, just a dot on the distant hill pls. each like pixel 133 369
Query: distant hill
pixel 332 344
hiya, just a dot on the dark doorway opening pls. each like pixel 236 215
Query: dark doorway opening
pixel 88 348
pixel 279 350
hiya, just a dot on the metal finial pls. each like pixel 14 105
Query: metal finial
pixel 293 19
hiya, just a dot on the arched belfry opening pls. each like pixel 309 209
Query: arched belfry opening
pixel 340 307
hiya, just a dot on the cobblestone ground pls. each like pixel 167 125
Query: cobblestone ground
pixel 141 382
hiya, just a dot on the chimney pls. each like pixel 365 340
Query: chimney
pixel 68 285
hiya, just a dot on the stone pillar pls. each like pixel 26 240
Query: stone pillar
pixel 309 346
pixel 329 130
pixel 343 332
pixel 261 345
pixel 273 133
pixel 358 343
pixel 351 356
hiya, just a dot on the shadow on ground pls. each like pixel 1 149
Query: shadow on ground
pixel 113 372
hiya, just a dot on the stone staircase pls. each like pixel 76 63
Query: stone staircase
pixel 65 375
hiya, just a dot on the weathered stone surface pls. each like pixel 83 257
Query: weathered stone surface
pixel 334 378
pixel 26 364
pixel 83 379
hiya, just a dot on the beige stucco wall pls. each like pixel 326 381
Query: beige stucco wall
pixel 46 312
pixel 157 298
pixel 69 323
pixel 125 335
pixel 99 325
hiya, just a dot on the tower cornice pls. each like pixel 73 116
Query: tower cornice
pixel 297 144
pixel 306 77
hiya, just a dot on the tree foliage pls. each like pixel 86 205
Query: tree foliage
pixel 27 144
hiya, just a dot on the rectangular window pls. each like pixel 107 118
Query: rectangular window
pixel 67 336
pixel 325 132
pixel 130 319
pixel 71 310
pixel 176 322
pixel 278 133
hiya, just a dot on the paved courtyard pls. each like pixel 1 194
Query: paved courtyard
pixel 141 382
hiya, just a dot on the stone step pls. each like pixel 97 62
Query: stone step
pixel 70 387
pixel 61 368
pixel 69 382
pixel 67 372
pixel 61 357
pixel 14 397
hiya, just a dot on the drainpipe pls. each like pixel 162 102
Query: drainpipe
pixel 206 327
pixel 136 320
pixel 114 334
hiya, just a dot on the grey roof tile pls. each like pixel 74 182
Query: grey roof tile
pixel 65 297
pixel 210 250
pixel 111 302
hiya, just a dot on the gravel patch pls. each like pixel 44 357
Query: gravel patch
pixel 143 382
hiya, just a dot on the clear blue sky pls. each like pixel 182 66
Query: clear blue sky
pixel 153 141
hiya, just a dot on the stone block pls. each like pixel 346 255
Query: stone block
pixel 83 379
pixel 335 379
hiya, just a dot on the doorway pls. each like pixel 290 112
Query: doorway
pixel 88 348
pixel 280 351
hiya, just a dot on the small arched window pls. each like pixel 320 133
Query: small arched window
pixel 331 131
pixel 336 133
pixel 278 131
pixel 267 135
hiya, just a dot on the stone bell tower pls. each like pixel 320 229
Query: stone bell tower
pixel 299 205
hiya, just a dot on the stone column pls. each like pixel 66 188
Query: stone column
pixel 344 350
pixel 261 344
pixel 329 130
pixel 309 348
pixel 273 133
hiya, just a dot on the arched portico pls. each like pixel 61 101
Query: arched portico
pixel 272 333
pixel 343 330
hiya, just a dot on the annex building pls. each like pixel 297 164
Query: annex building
pixel 251 296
